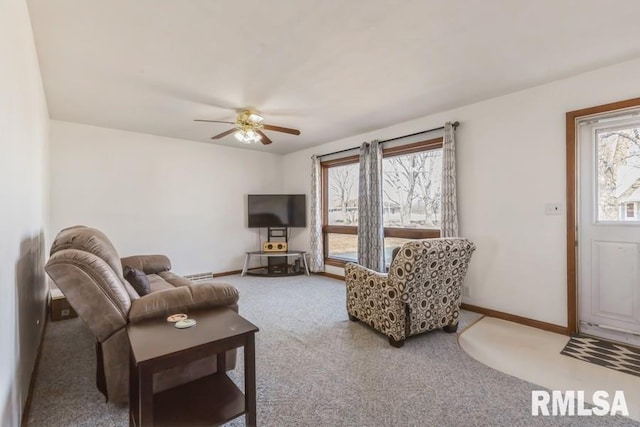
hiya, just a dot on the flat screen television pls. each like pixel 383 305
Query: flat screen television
pixel 277 210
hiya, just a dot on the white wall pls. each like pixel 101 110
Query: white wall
pixel 152 194
pixel 24 125
pixel 511 161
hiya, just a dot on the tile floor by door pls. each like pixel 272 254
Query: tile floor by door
pixel 534 355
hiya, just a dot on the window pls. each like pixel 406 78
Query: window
pixel 411 182
pixel 342 203
pixel 630 210
pixel 618 171
pixel 340 209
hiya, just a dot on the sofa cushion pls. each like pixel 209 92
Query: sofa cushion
pixel 158 283
pixel 174 279
pixel 184 299
pixel 90 240
pixel 138 280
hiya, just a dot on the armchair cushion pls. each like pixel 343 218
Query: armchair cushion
pixel 182 300
pixel 138 280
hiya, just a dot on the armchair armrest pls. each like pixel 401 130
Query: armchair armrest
pixel 360 292
pixel 182 300
pixel 149 264
pixel 373 299
pixel 354 271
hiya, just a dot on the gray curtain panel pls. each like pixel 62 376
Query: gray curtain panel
pixel 370 223
pixel 363 202
pixel 449 204
pixel 316 263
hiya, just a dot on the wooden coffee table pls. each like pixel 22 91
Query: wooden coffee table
pixel 157 345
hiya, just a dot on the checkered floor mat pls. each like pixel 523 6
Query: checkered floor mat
pixel 616 356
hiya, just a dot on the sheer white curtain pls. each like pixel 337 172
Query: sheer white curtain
pixel 370 223
pixel 316 263
pixel 449 204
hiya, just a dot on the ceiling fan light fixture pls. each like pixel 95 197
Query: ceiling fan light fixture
pixel 247 136
pixel 249 128
pixel 255 118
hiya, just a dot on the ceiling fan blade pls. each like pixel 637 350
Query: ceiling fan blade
pixel 281 129
pixel 214 121
pixel 264 138
pixel 223 134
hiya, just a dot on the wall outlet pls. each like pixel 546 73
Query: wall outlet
pixel 553 208
pixel 465 291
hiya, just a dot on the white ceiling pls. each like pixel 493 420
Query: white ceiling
pixel 329 68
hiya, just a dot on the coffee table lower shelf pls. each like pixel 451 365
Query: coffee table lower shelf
pixel 212 400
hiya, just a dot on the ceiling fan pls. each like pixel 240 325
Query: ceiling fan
pixel 249 128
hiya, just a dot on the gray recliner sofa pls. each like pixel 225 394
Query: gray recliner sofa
pixel 85 265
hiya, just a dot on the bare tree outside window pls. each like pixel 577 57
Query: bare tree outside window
pixel 343 195
pixel 411 189
pixel 618 172
pixel 412 176
pixel 430 187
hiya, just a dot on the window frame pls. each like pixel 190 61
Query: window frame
pixel 404 233
pixel 631 205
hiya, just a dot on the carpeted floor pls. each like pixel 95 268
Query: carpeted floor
pixel 315 368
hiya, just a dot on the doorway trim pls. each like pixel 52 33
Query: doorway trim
pixel 572 208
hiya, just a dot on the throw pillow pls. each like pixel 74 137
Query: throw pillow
pixel 138 280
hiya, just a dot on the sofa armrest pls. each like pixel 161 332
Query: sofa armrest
pixel 183 300
pixel 149 264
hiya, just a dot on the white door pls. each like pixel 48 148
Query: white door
pixel 609 226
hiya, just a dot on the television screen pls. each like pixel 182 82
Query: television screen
pixel 277 210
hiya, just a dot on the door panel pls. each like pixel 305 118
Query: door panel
pixel 608 228
pixel 615 266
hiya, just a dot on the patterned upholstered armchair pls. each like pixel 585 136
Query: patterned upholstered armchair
pixel 421 292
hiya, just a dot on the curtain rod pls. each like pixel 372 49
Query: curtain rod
pixel 454 124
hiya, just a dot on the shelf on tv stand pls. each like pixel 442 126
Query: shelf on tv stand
pixel 265 270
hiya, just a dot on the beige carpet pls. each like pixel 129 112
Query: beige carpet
pixel 314 368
